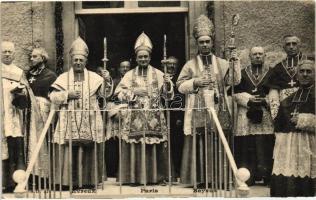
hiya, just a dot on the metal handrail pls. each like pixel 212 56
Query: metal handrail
pixel 242 188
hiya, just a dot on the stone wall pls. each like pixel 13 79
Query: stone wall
pixel 261 23
pixel 265 23
pixel 28 24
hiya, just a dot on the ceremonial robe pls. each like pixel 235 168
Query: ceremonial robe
pixel 254 133
pixel 294 168
pixel 15 93
pixel 39 81
pixel 83 127
pixel 196 120
pixel 141 126
pixel 282 82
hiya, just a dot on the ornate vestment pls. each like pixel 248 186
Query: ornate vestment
pixel 15 124
pixel 11 79
pixel 140 123
pixel 215 97
pixel 85 125
pixel 295 145
pixel 294 166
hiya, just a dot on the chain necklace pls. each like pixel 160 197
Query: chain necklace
pixel 255 79
pixel 208 72
pixel 298 102
pixel 77 103
pixel 35 72
pixel 291 70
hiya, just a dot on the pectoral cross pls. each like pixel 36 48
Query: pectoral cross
pixel 32 79
pixel 291 83
pixel 254 90
pixel 294 113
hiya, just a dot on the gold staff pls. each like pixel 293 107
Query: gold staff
pixel 231 47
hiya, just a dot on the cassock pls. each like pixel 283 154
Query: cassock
pixel 254 133
pixel 84 128
pixel 140 126
pixel 112 131
pixel 282 81
pixel 17 97
pixel 176 128
pixel 39 80
pixel 198 119
pixel 294 168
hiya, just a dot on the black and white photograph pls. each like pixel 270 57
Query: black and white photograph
pixel 157 99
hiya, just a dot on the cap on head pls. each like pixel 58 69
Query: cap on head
pixel 7 44
pixel 203 26
pixel 143 42
pixel 79 47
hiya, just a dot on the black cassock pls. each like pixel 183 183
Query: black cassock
pixel 294 169
pixel 254 138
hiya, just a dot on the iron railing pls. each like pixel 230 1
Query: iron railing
pixel 225 179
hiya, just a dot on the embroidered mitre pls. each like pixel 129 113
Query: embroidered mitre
pixel 143 42
pixel 79 47
pixel 203 26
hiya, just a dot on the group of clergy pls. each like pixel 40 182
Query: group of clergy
pixel 274 131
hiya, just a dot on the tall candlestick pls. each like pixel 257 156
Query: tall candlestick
pixel 105 53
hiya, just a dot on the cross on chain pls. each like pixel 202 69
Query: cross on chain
pixel 294 113
pixel 32 79
pixel 291 83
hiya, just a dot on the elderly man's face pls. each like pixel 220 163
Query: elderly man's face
pixel 124 67
pixel 172 66
pixel 143 58
pixel 36 58
pixel 7 53
pixel 257 56
pixel 205 45
pixel 306 74
pixel 78 63
pixel 291 46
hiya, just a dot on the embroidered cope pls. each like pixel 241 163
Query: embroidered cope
pixel 79 119
pixel 140 124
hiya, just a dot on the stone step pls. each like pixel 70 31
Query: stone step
pixel 113 190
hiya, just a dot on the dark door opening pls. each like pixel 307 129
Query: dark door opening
pixel 122 30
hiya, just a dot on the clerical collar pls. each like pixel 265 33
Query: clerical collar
pixel 257 71
pixel 142 70
pixel 206 59
pixel 36 71
pixel 302 94
pixel 298 56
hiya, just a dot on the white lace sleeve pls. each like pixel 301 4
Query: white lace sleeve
pixel 59 97
pixel 242 98
pixel 306 122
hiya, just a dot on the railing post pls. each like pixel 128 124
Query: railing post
pixel 242 174
pixel 24 175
